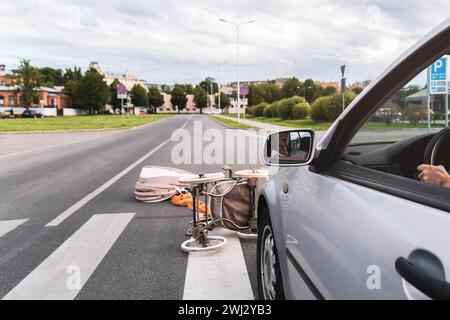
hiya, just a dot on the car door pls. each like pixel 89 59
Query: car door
pixel 351 230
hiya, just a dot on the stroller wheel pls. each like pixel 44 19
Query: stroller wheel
pixel 190 232
pixel 247 234
pixel 212 242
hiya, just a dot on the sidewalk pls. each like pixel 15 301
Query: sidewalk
pixel 261 125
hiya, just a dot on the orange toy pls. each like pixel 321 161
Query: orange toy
pixel 185 200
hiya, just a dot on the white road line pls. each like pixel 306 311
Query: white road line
pixel 63 216
pixel 62 275
pixel 218 274
pixel 9 225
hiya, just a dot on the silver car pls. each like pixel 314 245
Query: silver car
pixel 346 216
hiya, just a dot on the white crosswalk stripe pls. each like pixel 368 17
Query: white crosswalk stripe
pixel 7 226
pixel 219 274
pixel 68 268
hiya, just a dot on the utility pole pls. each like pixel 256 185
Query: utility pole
pixel 237 26
pixel 219 65
pixel 343 85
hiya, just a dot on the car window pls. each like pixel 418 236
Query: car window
pixel 404 114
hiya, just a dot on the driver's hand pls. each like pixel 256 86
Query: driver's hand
pixel 434 175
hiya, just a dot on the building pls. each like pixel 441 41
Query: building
pixel 231 92
pixel 48 97
pixel 127 79
pixel 325 84
pixel 168 107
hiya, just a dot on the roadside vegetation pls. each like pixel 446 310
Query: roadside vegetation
pixel 77 123
pixel 232 123
pixel 327 105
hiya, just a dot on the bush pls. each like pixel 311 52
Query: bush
pixel 415 114
pixel 285 106
pixel 301 110
pixel 259 110
pixel 317 113
pixel 330 107
pixel 275 109
pixel 251 110
pixel 268 111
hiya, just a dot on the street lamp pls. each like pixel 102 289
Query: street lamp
pixel 343 85
pixel 237 26
pixel 219 65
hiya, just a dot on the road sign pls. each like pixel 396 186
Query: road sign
pixel 438 77
pixel 121 92
pixel 244 91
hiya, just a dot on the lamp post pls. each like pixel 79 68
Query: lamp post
pixel 219 65
pixel 237 26
pixel 343 87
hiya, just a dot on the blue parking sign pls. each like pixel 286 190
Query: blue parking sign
pixel 438 77
pixel 439 70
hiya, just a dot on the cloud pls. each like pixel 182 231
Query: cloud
pixel 174 40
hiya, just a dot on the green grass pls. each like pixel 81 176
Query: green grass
pixel 321 126
pixel 381 126
pixel 232 123
pixel 77 123
pixel 306 123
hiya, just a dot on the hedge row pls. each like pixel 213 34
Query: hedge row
pixel 291 108
pixel 330 107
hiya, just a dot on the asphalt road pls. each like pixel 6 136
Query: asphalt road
pixel 134 254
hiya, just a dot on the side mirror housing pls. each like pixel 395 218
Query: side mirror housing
pixel 289 148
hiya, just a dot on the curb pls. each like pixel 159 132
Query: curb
pixel 230 127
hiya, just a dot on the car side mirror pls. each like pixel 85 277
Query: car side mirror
pixel 289 148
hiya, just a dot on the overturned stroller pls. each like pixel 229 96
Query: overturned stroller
pixel 231 200
pixel 225 199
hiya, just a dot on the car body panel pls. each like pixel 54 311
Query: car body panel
pixel 338 239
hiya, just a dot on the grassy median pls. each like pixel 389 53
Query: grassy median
pixel 77 123
pixel 322 126
pixel 232 123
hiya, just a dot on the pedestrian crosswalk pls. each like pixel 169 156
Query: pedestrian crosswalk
pixel 62 275
pixel 215 275
pixel 219 274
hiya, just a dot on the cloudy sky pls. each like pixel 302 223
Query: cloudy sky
pixel 175 40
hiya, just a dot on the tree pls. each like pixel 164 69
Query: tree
pixel 188 88
pixel 114 101
pixel 207 83
pixel 179 99
pixel 200 98
pixel 224 101
pixel 51 77
pixel 271 92
pixel 155 99
pixel 329 91
pixel 255 95
pixel 27 78
pixel 292 87
pixel 72 75
pixel 91 93
pixel 357 90
pixel 139 96
pixel 312 91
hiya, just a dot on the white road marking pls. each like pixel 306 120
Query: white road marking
pixel 63 216
pixel 9 225
pixel 62 275
pixel 218 274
